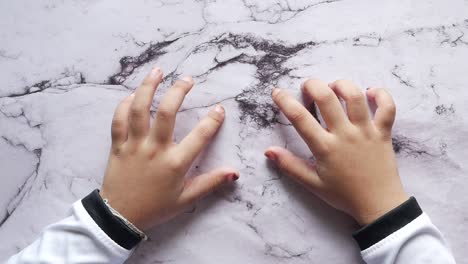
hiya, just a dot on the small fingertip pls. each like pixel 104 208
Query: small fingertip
pixel 270 155
pixel 370 92
pixel 188 79
pixel 156 72
pixel 303 85
pixel 219 109
pixel 217 113
pixel 233 176
pixel 310 82
pixel 275 91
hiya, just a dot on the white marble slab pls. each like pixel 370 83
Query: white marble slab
pixel 64 65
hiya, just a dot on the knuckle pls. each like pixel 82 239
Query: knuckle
pixel 352 135
pixel 205 132
pixel 137 111
pixel 117 150
pixel 175 164
pixel 313 82
pixel 324 96
pixel 164 113
pixel 297 115
pixel 348 89
pixel 322 149
pixel 390 108
pixel 117 128
pixel 216 118
pixel 117 125
pixel 279 96
pixel 183 86
pixel 355 97
pixel 149 82
pixel 280 162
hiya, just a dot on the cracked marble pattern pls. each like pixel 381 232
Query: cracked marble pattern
pixel 64 65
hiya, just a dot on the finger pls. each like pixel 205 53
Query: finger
pixel 139 116
pixel 163 127
pixel 356 104
pixel 295 167
pixel 119 128
pixel 306 125
pixel 327 102
pixel 386 109
pixel 198 187
pixel 202 134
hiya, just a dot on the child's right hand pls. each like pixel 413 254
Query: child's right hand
pixel 355 169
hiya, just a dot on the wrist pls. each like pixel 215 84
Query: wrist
pixel 114 227
pixel 123 208
pixel 380 207
pixel 124 220
pixel 387 224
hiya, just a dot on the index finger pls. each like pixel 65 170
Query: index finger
pixel 305 124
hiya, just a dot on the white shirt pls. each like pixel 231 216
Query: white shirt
pixel 404 235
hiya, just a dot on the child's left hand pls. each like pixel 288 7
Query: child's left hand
pixel 144 180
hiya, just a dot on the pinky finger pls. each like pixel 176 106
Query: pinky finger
pixel 386 109
pixel 119 127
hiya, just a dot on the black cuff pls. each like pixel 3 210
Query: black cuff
pixel 115 228
pixel 387 224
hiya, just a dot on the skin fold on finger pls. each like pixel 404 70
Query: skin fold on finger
pixel 305 124
pixel 356 103
pixel 386 110
pixel 310 106
pixel 330 107
pixel 166 113
pixel 119 127
pixel 202 134
pixel 297 168
pixel 200 186
pixel 139 116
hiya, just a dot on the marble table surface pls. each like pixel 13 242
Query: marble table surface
pixel 64 65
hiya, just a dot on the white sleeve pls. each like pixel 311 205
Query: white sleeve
pixel 404 235
pixel 81 237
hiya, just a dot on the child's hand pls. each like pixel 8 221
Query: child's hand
pixel 355 169
pixel 144 180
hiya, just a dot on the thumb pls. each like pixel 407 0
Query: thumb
pixel 198 187
pixel 297 168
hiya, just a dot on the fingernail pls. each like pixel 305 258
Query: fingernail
pixel 234 176
pixel 270 155
pixel 219 109
pixel 133 94
pixel 155 71
pixel 187 79
pixel 275 92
